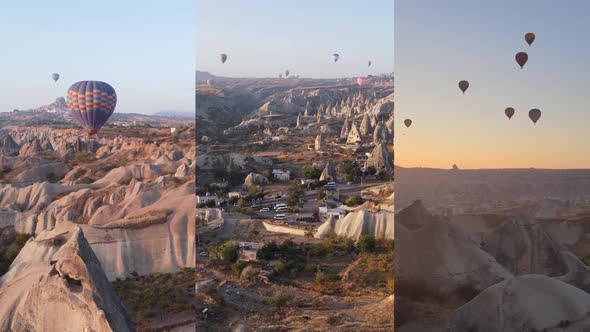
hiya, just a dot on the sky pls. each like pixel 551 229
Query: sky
pixel 263 38
pixel 439 43
pixel 143 48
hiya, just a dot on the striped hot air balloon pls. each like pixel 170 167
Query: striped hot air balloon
pixel 92 103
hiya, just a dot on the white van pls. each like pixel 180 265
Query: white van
pixel 280 217
pixel 265 209
pixel 282 209
pixel 280 205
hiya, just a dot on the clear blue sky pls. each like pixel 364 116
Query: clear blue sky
pixel 144 49
pixel 439 43
pixel 262 38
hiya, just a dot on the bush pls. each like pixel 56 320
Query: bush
pixel 86 180
pixel 268 251
pixel 366 243
pixel 83 156
pixel 238 266
pixel 279 299
pixel 22 238
pixel 354 201
pixel 229 252
pixel 320 278
pixel 312 172
pixel 333 277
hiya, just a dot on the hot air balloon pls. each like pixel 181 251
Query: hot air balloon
pixel 408 123
pixel 336 56
pixel 463 85
pixel 521 58
pixel 223 57
pixel 281 75
pixel 529 38
pixel 210 82
pixel 369 63
pixel 286 73
pixel 361 81
pixel 55 77
pixel 534 114
pixel 92 103
pixel 509 111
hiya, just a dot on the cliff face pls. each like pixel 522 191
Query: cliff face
pixel 56 283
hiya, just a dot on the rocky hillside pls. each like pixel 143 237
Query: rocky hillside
pixel 133 197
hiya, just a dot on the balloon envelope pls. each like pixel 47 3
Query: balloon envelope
pixel 463 85
pixel 534 114
pixel 92 103
pixel 521 58
pixel 361 81
pixel 408 123
pixel 509 111
pixel 55 77
pixel 336 56
pixel 529 38
pixel 286 73
pixel 369 64
pixel 223 57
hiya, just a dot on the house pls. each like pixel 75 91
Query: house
pixel 248 250
pixel 235 194
pixel 281 175
pixel 336 212
pixel 307 182
pixel 208 197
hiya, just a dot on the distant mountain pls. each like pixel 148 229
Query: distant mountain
pixel 203 76
pixel 176 114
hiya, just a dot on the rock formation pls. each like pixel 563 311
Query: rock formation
pixel 329 172
pixel 354 224
pixel 525 303
pixel 56 284
pixel 354 137
pixel 319 143
pixel 381 159
pixel 254 179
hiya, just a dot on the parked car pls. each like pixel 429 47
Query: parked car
pixel 280 216
pixel 203 254
pixel 265 209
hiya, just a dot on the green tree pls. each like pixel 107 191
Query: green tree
pixel 312 172
pixel 229 252
pixel 366 243
pixel 241 202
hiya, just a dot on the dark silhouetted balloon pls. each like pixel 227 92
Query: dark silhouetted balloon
pixel 529 38
pixel 361 81
pixel 55 77
pixel 336 56
pixel 92 103
pixel 521 58
pixel 286 73
pixel 463 85
pixel 534 114
pixel 223 57
pixel 280 75
pixel 369 64
pixel 509 112
pixel 408 123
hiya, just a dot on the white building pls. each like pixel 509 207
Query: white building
pixel 205 198
pixel 281 175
